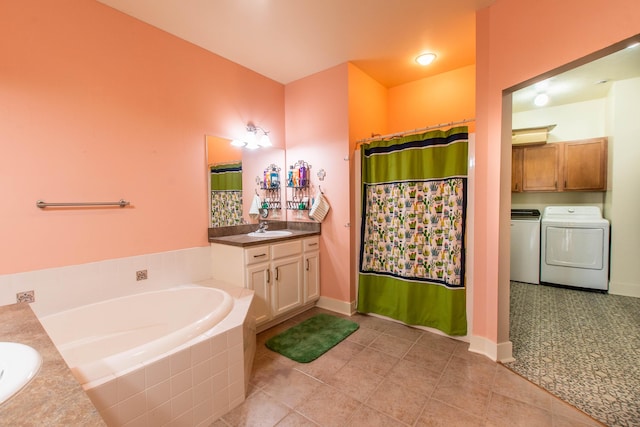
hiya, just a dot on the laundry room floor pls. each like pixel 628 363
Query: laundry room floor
pixel 581 346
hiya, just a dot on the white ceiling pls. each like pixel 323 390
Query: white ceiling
pixel 587 82
pixel 286 40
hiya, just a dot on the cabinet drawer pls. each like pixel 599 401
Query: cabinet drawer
pixel 311 244
pixel 281 250
pixel 256 255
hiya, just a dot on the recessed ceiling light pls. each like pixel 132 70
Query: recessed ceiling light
pixel 425 58
pixel 541 99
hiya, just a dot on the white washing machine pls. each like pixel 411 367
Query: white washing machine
pixel 575 247
pixel 525 246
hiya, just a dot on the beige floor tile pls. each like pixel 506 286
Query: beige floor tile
pixel 329 407
pixel 369 417
pixel 294 419
pixel 438 342
pixel 355 382
pixel 398 401
pixel 463 394
pixel 507 412
pixel 402 331
pixel 439 414
pixel 345 350
pixel 371 322
pixel 265 368
pixel 291 387
pixel 511 385
pixel 415 377
pixel 394 346
pixel 257 410
pixel 563 410
pixel 374 361
pixel 423 355
pixel 480 370
pixel 323 367
pixel 364 336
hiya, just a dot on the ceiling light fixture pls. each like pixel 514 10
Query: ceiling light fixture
pixel 251 141
pixel 425 58
pixel 541 99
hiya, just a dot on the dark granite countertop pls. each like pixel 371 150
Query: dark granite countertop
pixel 53 397
pixel 238 235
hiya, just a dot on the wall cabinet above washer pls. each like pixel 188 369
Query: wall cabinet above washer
pixel 562 166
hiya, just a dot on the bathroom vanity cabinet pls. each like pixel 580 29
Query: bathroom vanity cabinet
pixel 285 276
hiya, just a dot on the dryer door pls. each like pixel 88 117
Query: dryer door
pixel 575 247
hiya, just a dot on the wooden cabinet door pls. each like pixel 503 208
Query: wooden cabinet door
pixel 259 280
pixel 287 284
pixel 540 168
pixel 585 165
pixel 311 276
pixel 516 169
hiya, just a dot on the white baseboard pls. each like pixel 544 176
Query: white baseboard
pixel 502 352
pixel 342 307
pixel 625 289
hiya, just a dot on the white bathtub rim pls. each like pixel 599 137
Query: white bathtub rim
pixel 97 372
pixel 240 310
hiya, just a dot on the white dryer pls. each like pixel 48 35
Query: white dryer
pixel 574 246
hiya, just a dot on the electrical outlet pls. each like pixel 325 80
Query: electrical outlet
pixel 26 296
pixel 141 275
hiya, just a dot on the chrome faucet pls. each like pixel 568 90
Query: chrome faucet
pixel 262 227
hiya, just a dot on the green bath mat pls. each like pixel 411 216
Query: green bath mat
pixel 310 339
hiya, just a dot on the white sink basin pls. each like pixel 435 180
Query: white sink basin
pixel 270 233
pixel 19 363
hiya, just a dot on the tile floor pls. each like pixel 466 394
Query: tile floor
pixel 387 374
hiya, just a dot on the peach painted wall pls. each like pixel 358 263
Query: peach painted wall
pixel 443 98
pixel 518 40
pixel 97 106
pixel 317 128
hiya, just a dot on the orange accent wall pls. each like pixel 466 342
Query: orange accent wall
pixel 516 41
pixel 447 97
pixel 97 106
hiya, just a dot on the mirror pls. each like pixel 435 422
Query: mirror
pixel 239 175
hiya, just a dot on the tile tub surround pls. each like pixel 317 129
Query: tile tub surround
pixel 388 374
pixel 61 288
pixel 53 397
pixel 195 385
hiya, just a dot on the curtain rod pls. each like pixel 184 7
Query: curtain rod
pixel 393 135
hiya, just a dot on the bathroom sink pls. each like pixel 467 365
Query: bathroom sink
pixel 19 363
pixel 270 233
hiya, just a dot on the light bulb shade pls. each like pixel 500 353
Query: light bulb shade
pixel 237 143
pixel 250 137
pixel 265 141
pixel 252 145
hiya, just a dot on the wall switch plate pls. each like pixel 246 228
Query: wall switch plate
pixel 141 275
pixel 26 296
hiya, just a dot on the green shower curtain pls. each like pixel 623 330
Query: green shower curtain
pixel 412 254
pixel 226 194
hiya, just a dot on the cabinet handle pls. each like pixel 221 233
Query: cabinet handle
pixel 268 276
pixel 313 244
pixel 307 268
pixel 516 186
pixel 276 273
pixel 259 256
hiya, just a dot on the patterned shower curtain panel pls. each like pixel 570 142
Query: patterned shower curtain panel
pixel 226 195
pixel 412 255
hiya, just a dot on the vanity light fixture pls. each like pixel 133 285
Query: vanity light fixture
pixel 251 141
pixel 425 58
